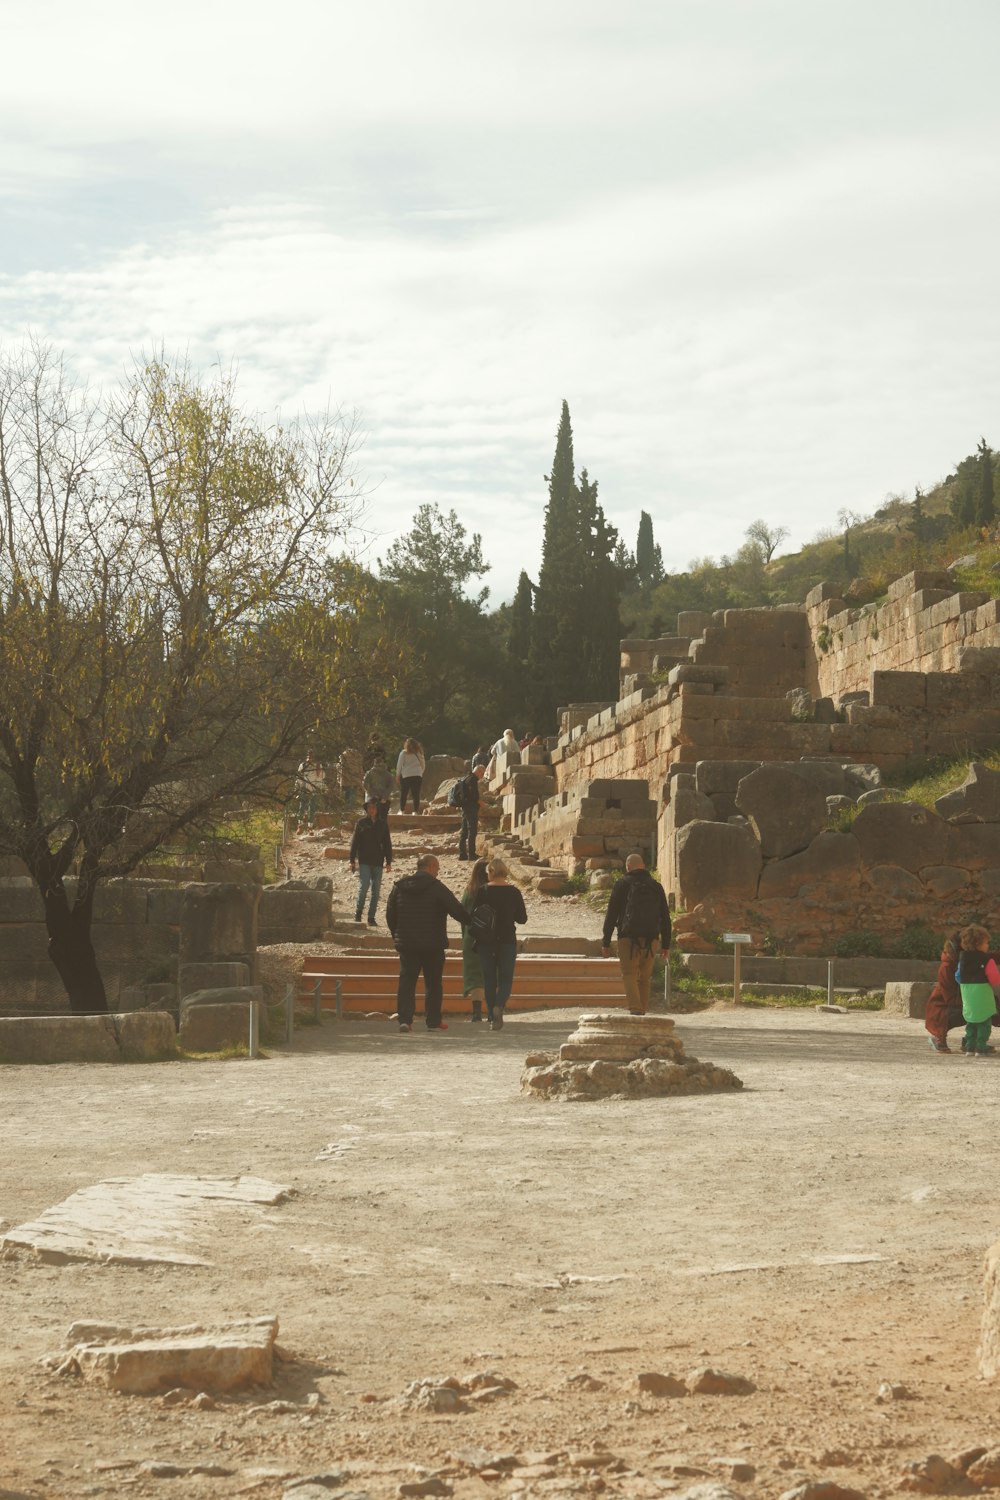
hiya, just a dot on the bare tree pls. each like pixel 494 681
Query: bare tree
pixel 171 622
pixel 768 538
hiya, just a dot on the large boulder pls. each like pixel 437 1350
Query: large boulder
pixel 901 833
pixel 715 859
pixel 440 768
pixel 786 810
pixel 977 800
pixel 219 923
pixel 832 861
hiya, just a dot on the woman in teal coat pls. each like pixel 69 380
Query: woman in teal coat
pixel 472 970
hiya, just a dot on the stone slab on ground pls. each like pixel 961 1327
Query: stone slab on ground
pixel 144 1361
pixel 989 1345
pixel 907 998
pixel 153 1219
pixel 145 1036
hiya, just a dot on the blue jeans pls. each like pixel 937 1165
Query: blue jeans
pixel 368 875
pixel 497 963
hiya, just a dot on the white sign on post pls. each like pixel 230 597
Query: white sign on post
pixel 736 938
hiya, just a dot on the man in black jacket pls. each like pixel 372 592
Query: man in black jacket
pixel 470 812
pixel 371 848
pixel 417 913
pixel 638 909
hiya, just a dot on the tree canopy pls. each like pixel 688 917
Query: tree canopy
pixel 172 624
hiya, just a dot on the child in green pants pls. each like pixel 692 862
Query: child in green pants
pixel 977 975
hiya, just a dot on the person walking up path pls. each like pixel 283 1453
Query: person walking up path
pixel 638 909
pixel 417 914
pixel 470 813
pixel 409 773
pixel 371 848
pixel 498 953
pixel 379 782
pixel 472 969
pixel 309 782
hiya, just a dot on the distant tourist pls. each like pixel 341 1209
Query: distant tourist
pixel 309 783
pixel 507 745
pixel 638 909
pixel 472 969
pixel 379 783
pixel 978 976
pixel 417 914
pixel 350 778
pixel 498 953
pixel 944 1006
pixel 539 744
pixel 482 757
pixel 409 773
pixel 371 849
pixel 469 803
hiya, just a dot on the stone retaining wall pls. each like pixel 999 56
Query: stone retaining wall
pixel 148 1037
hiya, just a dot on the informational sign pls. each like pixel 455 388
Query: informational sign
pixel 736 937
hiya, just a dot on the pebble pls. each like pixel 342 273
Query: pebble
pixel 892 1390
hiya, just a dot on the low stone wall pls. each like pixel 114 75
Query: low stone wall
pixel 595 828
pixel 147 1037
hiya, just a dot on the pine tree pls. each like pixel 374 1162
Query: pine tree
pixel 985 509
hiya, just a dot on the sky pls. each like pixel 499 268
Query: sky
pixel 753 243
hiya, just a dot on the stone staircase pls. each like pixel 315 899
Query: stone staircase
pixel 541 981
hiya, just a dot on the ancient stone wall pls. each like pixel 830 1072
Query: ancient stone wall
pixel 924 626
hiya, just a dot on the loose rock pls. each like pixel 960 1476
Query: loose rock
pixel 985 1472
pixel 709 1382
pixel 656 1384
pixel 932 1475
pixel 822 1489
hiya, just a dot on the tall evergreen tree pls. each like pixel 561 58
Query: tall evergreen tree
pixel 985 509
pixel 521 617
pixel 648 557
pixel 576 624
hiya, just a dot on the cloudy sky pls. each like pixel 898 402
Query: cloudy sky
pixel 754 243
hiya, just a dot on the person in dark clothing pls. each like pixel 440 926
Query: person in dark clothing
pixel 417 913
pixel 481 757
pixel 497 956
pixel 638 909
pixel 470 812
pixel 371 848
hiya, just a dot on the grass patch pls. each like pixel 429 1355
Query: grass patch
pixel 225 1054
pixel 807 999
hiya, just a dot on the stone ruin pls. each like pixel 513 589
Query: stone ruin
pixel 736 742
pixel 616 1056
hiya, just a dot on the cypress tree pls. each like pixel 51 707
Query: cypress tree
pixel 521 617
pixel 553 647
pixel 985 509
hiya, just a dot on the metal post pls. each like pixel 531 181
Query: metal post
pixel 736 973
pixel 254 1028
pixel 666 979
pixel 829 981
pixel 340 999
pixel 317 999
pixel 289 1012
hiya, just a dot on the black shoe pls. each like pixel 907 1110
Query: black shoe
pixel 372 922
pixel 357 917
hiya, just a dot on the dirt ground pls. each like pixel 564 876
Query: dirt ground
pixel 821 1232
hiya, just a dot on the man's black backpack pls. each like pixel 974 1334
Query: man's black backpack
pixel 483 925
pixel 642 920
pixel 455 794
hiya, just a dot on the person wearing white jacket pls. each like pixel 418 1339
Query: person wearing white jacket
pixel 409 773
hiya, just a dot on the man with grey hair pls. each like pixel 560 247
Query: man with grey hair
pixel 638 909
pixel 417 915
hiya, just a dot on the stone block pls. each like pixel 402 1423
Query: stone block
pixel 926 599
pixel 977 799
pixel 288 915
pixel 712 776
pixel 192 977
pixel 146 1036
pixel 121 901
pixel 902 833
pixel 898 689
pixel 165 905
pixel 242 872
pixel 832 861
pixel 907 998
pixel 687 672
pixel 921 578
pixel 715 859
pixel 785 810
pixel 692 622
pixel 821 592
pixel 212 1028
pixel 143 1361
pixel 944 882
pixel 989 1342
pixel 893 883
pixel 686 806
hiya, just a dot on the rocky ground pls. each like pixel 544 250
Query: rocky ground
pixel 485 1294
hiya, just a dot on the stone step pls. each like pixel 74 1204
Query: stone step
pixel 368 983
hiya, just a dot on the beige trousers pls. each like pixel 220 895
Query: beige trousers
pixel 637 971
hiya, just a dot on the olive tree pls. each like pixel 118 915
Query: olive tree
pixel 171 622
